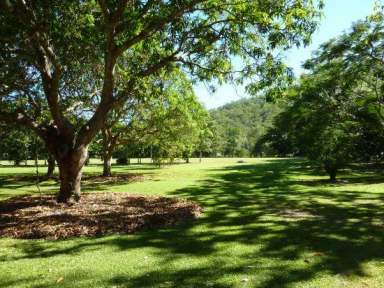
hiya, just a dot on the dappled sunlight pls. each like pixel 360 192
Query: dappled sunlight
pixel 265 224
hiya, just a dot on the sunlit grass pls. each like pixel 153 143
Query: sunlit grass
pixel 267 223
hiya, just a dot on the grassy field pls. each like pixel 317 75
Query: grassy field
pixel 267 223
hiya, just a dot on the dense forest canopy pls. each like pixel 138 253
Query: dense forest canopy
pixel 238 126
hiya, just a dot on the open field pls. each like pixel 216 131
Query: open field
pixel 266 223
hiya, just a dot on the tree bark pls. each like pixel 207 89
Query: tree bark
pixel 332 172
pixel 87 161
pixel 70 169
pixel 107 159
pixel 109 144
pixel 332 175
pixel 51 166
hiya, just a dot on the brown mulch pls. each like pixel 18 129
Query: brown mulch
pixel 132 177
pixel 97 214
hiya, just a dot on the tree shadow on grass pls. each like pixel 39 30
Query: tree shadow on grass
pixel 90 181
pixel 259 221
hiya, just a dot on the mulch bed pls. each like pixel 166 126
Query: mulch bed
pixel 97 214
pixel 132 177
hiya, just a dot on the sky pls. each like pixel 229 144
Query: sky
pixel 338 17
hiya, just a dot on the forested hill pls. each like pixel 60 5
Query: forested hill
pixel 240 124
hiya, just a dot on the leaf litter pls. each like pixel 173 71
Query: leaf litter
pixel 97 214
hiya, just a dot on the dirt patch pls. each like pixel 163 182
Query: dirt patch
pixel 95 215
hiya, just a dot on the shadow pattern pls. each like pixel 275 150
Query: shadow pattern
pixel 289 229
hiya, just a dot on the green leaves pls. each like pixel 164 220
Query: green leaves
pixel 330 116
pixel 68 64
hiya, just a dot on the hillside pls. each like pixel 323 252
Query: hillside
pixel 240 124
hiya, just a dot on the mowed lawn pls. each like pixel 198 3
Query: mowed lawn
pixel 266 223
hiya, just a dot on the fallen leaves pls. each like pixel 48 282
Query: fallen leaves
pixel 95 215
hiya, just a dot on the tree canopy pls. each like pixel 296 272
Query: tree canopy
pixel 336 111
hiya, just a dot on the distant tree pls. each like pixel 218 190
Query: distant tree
pixel 179 125
pixel 165 113
pixel 276 142
pixel 15 145
pixel 321 121
pixel 18 144
pixel 205 143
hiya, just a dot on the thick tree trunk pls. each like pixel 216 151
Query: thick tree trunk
pixel 70 168
pixel 51 166
pixel 107 159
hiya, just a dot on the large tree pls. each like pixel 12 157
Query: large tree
pixel 57 57
pixel 337 112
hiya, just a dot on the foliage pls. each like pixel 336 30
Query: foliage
pixel 18 144
pixel 165 121
pixel 240 124
pixel 336 114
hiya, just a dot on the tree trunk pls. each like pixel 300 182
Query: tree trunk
pixel 201 156
pixel 87 161
pixel 107 159
pixel 70 169
pixel 332 175
pixel 332 172
pixel 109 144
pixel 51 166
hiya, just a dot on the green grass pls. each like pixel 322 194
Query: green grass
pixel 249 236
